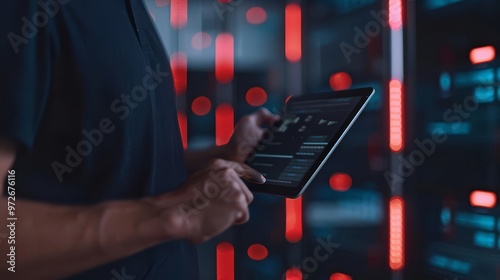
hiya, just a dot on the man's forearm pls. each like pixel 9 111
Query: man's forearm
pixel 57 241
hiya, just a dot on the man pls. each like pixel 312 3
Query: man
pixel 98 179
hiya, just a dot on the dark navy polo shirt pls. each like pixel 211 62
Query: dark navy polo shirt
pixel 86 91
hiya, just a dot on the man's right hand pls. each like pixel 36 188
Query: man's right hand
pixel 211 200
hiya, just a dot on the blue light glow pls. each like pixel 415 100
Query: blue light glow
pixel 450 264
pixel 345 6
pixel 446 216
pixel 475 220
pixel 484 94
pixel 435 4
pixel 462 128
pixel 353 208
pixel 484 239
pixel 445 81
pixel 474 78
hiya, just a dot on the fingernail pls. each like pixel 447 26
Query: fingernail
pixel 262 179
pixel 255 178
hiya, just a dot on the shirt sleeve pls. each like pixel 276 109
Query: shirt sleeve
pixel 24 70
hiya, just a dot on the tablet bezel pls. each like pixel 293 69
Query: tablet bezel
pixel 294 192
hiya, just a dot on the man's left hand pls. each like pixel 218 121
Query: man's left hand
pixel 247 134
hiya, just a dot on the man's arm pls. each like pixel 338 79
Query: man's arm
pixel 56 241
pixel 53 241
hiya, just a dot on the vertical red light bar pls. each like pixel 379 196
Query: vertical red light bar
pixel 224 58
pixel 182 118
pixel 396 233
pixel 293 230
pixel 178 13
pixel 225 261
pixel 178 62
pixel 396 135
pixel 224 123
pixel 396 116
pixel 293 32
pixel 395 14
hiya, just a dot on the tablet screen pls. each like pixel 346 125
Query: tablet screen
pixel 292 146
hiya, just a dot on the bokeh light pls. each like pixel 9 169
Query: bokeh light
pixel 201 40
pixel 162 3
pixel 257 252
pixel 340 81
pixel 256 15
pixel 201 106
pixel 256 96
pixel 340 276
pixel 293 274
pixel 340 182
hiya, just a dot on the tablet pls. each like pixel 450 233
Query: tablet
pixel 295 148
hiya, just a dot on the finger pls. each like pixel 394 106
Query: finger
pixel 238 208
pixel 246 172
pixel 242 218
pixel 257 133
pixel 242 187
pixel 241 169
pixel 263 116
pixel 265 135
pixel 233 185
pixel 251 174
pixel 241 213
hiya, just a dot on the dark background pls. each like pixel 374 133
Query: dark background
pixel 445 236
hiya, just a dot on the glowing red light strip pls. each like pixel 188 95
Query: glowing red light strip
pixel 395 14
pixel 293 32
pixel 482 54
pixel 182 118
pixel 178 13
pixel 225 261
pixel 293 230
pixel 224 58
pixel 396 233
pixel 178 62
pixel 396 116
pixel 224 123
pixel 483 199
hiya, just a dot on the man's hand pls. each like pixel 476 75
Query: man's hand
pixel 212 199
pixel 247 134
pixel 209 202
